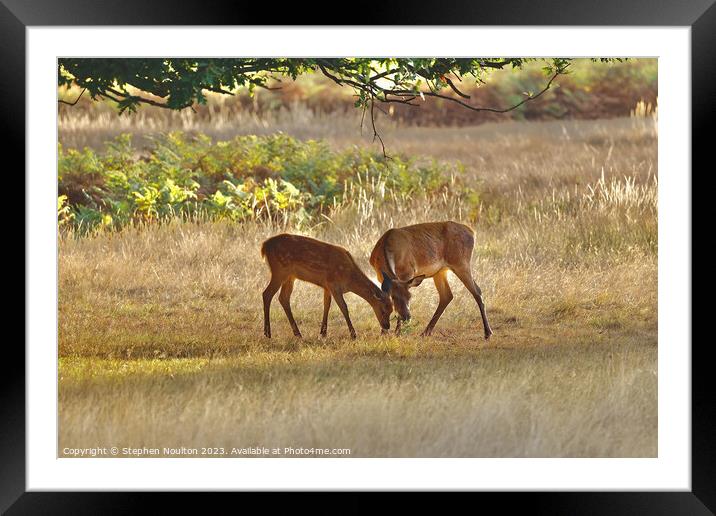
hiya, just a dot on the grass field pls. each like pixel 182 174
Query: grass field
pixel 160 326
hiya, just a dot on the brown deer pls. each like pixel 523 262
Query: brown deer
pixel 404 257
pixel 292 257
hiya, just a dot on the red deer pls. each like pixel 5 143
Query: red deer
pixel 404 257
pixel 292 257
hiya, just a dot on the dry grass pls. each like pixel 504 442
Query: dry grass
pixel 160 327
pixel 390 399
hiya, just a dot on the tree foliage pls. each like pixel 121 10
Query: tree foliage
pixel 179 83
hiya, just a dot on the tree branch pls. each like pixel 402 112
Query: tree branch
pixel 218 90
pixel 375 132
pixel 408 96
pixel 454 88
pixel 142 100
pixel 475 108
pixel 76 100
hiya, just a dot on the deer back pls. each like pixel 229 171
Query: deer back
pixel 421 250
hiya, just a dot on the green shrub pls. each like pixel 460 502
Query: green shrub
pixel 248 177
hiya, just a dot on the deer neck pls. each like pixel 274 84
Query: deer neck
pixel 363 287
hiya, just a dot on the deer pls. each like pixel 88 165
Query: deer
pixel 404 257
pixel 292 257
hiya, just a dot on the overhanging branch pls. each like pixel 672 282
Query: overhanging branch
pixel 76 100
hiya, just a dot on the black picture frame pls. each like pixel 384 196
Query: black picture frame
pixel 700 15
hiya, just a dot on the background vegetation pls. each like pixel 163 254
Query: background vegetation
pixel 249 177
pixel 312 106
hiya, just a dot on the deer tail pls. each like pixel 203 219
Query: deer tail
pixel 263 250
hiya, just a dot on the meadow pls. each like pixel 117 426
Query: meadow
pixel 160 319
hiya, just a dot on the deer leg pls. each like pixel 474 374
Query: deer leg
pixel 338 296
pixel 466 277
pixel 326 308
pixel 441 283
pixel 285 299
pixel 268 294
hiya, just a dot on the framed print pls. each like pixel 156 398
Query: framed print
pixel 450 251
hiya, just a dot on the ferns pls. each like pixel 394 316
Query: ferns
pixel 247 178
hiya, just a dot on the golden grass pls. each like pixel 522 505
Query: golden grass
pixel 394 399
pixel 160 338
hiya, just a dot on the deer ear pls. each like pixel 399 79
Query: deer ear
pixel 387 283
pixel 417 280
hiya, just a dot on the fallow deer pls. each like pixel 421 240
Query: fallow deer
pixel 404 257
pixel 292 257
